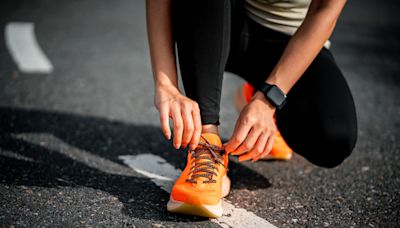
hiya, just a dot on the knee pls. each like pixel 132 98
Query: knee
pixel 334 143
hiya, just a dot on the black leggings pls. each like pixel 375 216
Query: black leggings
pixel 319 119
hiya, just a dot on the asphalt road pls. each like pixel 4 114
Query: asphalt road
pixel 61 133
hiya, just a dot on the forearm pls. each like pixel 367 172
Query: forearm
pixel 306 43
pixel 159 28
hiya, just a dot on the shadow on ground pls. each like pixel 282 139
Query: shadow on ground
pixel 100 137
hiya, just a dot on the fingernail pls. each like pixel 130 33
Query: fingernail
pixel 192 146
pixel 176 146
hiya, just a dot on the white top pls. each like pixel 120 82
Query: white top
pixel 284 16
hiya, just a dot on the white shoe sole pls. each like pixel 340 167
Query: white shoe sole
pixel 210 211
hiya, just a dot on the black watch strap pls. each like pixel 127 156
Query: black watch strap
pixel 274 95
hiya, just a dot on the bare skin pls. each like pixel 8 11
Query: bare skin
pixel 255 129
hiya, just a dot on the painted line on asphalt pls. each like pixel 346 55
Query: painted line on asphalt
pixel 23 47
pixel 154 167
pixel 54 143
pixel 14 155
pixel 164 174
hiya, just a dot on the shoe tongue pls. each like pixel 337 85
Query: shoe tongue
pixel 212 138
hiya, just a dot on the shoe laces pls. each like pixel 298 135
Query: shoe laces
pixel 206 159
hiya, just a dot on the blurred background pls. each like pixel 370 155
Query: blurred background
pixel 84 97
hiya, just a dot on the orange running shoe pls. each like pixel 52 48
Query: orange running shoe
pixel 280 149
pixel 204 182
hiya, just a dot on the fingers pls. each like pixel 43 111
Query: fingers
pixel 248 143
pixel 164 119
pixel 257 149
pixel 197 127
pixel 188 125
pixel 267 148
pixel 257 116
pixel 184 112
pixel 240 133
pixel 178 126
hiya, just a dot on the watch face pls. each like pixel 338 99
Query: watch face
pixel 276 96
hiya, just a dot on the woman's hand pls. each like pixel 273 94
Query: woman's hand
pixel 184 112
pixel 168 100
pixel 254 132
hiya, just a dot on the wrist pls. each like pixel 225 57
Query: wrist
pixel 165 80
pixel 259 96
pixel 273 79
pixel 169 87
pixel 273 94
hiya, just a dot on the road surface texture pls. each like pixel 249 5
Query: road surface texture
pixel 61 133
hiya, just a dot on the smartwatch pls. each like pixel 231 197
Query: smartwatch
pixel 274 95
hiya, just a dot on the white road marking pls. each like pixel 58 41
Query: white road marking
pixel 14 155
pixel 24 48
pixel 54 143
pixel 163 175
pixel 154 167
